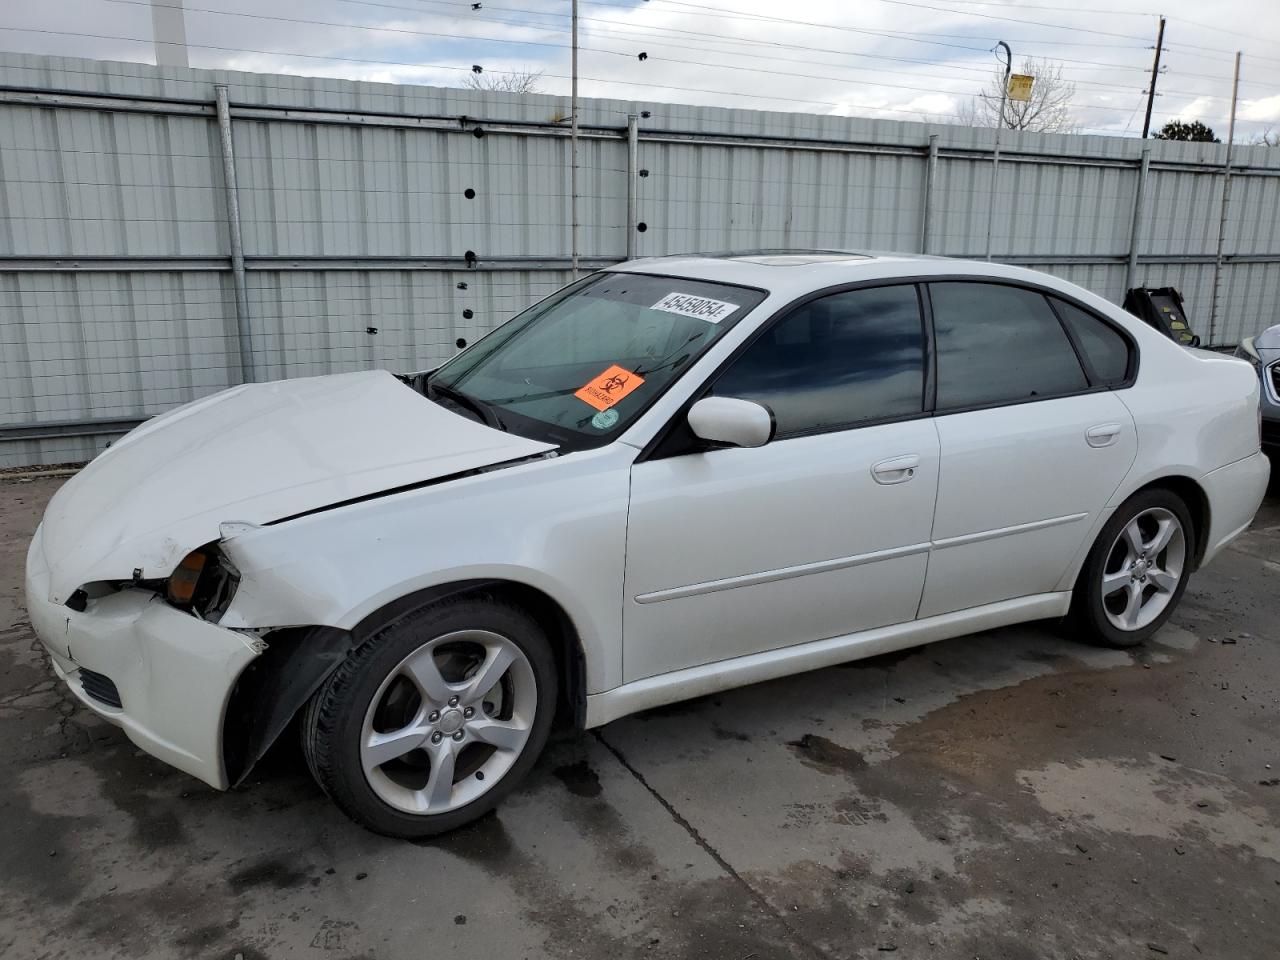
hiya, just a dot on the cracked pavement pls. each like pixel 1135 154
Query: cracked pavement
pixel 1011 794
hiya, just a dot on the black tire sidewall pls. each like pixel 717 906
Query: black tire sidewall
pixel 1088 612
pixel 334 723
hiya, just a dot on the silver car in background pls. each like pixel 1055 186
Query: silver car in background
pixel 1263 351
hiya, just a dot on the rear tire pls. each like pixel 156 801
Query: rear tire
pixel 434 719
pixel 1136 572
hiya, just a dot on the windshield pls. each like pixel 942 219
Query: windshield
pixel 579 367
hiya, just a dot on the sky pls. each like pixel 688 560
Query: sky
pixel 896 59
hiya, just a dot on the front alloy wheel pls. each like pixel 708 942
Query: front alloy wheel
pixel 432 720
pixel 451 718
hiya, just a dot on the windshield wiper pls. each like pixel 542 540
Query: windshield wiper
pixel 488 416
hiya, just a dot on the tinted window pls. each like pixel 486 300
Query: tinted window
pixel 839 360
pixel 1103 346
pixel 998 343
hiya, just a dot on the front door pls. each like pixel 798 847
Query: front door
pixel 823 531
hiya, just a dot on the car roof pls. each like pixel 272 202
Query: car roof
pixel 794 272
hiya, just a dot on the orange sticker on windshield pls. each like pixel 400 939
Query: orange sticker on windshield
pixel 608 388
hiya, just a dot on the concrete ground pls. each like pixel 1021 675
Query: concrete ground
pixel 1010 794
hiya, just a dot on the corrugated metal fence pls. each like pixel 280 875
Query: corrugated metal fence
pixel 381 225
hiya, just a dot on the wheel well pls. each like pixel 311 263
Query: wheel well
pixel 566 644
pixel 571 711
pixel 1197 502
pixel 275 686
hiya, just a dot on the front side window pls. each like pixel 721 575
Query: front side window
pixel 580 366
pixel 842 359
pixel 999 344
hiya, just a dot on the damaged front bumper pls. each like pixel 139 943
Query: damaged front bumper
pixel 168 674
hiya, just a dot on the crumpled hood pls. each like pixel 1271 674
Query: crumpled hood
pixel 253 454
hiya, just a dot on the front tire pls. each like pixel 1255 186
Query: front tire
pixel 1136 572
pixel 434 719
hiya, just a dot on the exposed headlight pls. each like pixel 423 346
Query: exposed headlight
pixel 181 585
pixel 204 582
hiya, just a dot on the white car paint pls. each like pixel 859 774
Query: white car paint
pixel 250 455
pixel 718 569
pixel 679 577
pixel 1037 508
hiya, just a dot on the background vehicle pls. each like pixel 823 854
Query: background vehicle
pixel 673 477
pixel 1263 353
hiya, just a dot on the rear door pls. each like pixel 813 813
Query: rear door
pixel 1033 439
pixel 821 532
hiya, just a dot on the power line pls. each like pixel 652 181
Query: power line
pixel 403 30
pixel 808 61
pixel 1019 4
pixel 148 41
pixel 1234 33
pixel 925 6
pixel 723 13
pixel 825 26
pixel 703 36
pixel 466 69
pixel 757 56
pixel 887 34
pixel 483 39
pixel 966 13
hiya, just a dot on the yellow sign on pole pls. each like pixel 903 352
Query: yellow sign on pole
pixel 1020 86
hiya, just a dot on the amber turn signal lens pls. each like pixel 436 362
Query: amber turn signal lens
pixel 183 580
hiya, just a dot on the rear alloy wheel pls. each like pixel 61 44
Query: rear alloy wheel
pixel 429 723
pixel 1144 569
pixel 1136 572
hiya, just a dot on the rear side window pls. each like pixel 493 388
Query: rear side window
pixel 837 361
pixel 999 344
pixel 1105 349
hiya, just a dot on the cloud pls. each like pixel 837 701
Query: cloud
pixel 872 58
pixel 1267 109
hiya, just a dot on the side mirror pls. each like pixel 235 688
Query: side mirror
pixel 735 423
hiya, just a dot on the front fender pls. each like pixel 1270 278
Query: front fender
pixel 558 526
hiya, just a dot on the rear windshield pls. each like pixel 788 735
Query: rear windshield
pixel 579 367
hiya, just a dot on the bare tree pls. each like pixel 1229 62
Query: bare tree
pixel 1048 110
pixel 1267 138
pixel 514 81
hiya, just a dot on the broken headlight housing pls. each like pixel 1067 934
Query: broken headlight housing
pixel 203 582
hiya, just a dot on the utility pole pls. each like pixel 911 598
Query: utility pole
pixel 995 155
pixel 169 33
pixel 1226 198
pixel 573 150
pixel 1155 72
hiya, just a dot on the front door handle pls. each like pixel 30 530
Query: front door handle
pixel 895 469
pixel 1103 435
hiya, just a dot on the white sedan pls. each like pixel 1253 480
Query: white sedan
pixel 669 478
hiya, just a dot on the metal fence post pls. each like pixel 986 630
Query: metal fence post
pixel 1222 219
pixel 930 182
pixel 1135 231
pixel 633 172
pixel 237 243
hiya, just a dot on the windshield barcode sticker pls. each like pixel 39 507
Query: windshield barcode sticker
pixel 703 308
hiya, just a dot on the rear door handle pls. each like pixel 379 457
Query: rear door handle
pixel 1103 435
pixel 896 469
